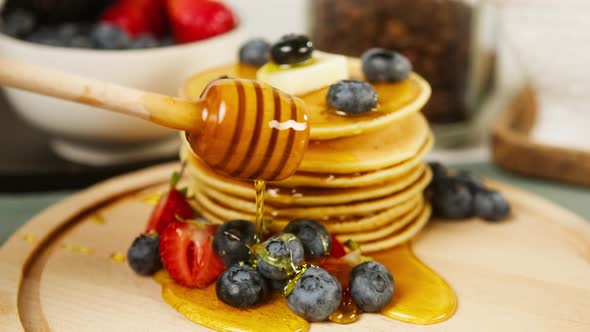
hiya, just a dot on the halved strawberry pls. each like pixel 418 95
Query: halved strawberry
pixel 137 17
pixel 337 250
pixel 187 253
pixel 195 20
pixel 172 207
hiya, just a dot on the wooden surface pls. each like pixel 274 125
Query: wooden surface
pixel 529 273
pixel 514 149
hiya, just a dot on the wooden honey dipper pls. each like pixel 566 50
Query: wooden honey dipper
pixel 240 128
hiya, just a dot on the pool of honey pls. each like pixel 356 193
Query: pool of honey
pixel 421 297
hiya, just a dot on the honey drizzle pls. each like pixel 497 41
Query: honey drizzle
pixel 347 312
pixel 259 186
pixel 118 257
pixel 30 238
pixel 97 218
pixel 78 249
pixel 152 199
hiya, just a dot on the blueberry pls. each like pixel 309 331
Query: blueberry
pixel 314 237
pixel 255 52
pixel 353 97
pixel 380 65
pixel 166 41
pixel 371 286
pixel 277 285
pixel 143 41
pixel 19 24
pixel 452 198
pixel 46 36
pixel 232 240
pixel 241 286
pixel 278 256
pixel 110 37
pixel 291 49
pixel 74 35
pixel 439 171
pixel 471 181
pixel 316 295
pixel 490 205
pixel 81 42
pixel 67 31
pixel 144 256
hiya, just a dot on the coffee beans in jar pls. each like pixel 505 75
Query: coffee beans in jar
pixel 449 42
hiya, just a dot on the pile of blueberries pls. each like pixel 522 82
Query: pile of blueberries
pixel 347 96
pixel 461 195
pixel 23 25
pixel 254 270
pixel 311 292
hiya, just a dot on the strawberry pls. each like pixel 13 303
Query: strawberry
pixel 173 206
pixel 193 20
pixel 337 250
pixel 137 17
pixel 187 253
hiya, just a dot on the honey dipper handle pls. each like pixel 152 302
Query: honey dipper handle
pixel 167 111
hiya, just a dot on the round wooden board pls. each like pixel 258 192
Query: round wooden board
pixel 530 273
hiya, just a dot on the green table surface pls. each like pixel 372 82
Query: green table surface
pixel 15 210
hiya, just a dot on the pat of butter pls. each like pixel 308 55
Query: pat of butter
pixel 322 70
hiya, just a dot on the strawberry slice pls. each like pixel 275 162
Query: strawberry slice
pixel 337 250
pixel 187 253
pixel 195 20
pixel 137 17
pixel 172 207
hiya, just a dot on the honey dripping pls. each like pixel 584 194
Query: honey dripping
pixel 249 130
pixel 259 186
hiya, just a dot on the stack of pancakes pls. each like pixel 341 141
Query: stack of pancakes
pixel 362 176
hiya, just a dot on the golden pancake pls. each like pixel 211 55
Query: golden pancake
pixel 396 100
pixel 323 211
pixel 387 229
pixel 400 237
pixel 399 141
pixel 277 195
pixel 302 179
pixel 219 212
pixel 380 149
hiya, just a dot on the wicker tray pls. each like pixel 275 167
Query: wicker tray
pixel 514 149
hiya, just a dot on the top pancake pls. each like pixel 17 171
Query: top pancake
pixel 396 100
pixel 388 146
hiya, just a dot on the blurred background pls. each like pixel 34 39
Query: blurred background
pixel 510 79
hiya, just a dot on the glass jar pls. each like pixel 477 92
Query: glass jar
pixel 450 42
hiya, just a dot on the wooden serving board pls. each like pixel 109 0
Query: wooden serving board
pixel 530 273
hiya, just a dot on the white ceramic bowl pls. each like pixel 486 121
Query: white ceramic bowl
pixel 92 136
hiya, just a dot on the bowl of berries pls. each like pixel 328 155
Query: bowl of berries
pixel 147 44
